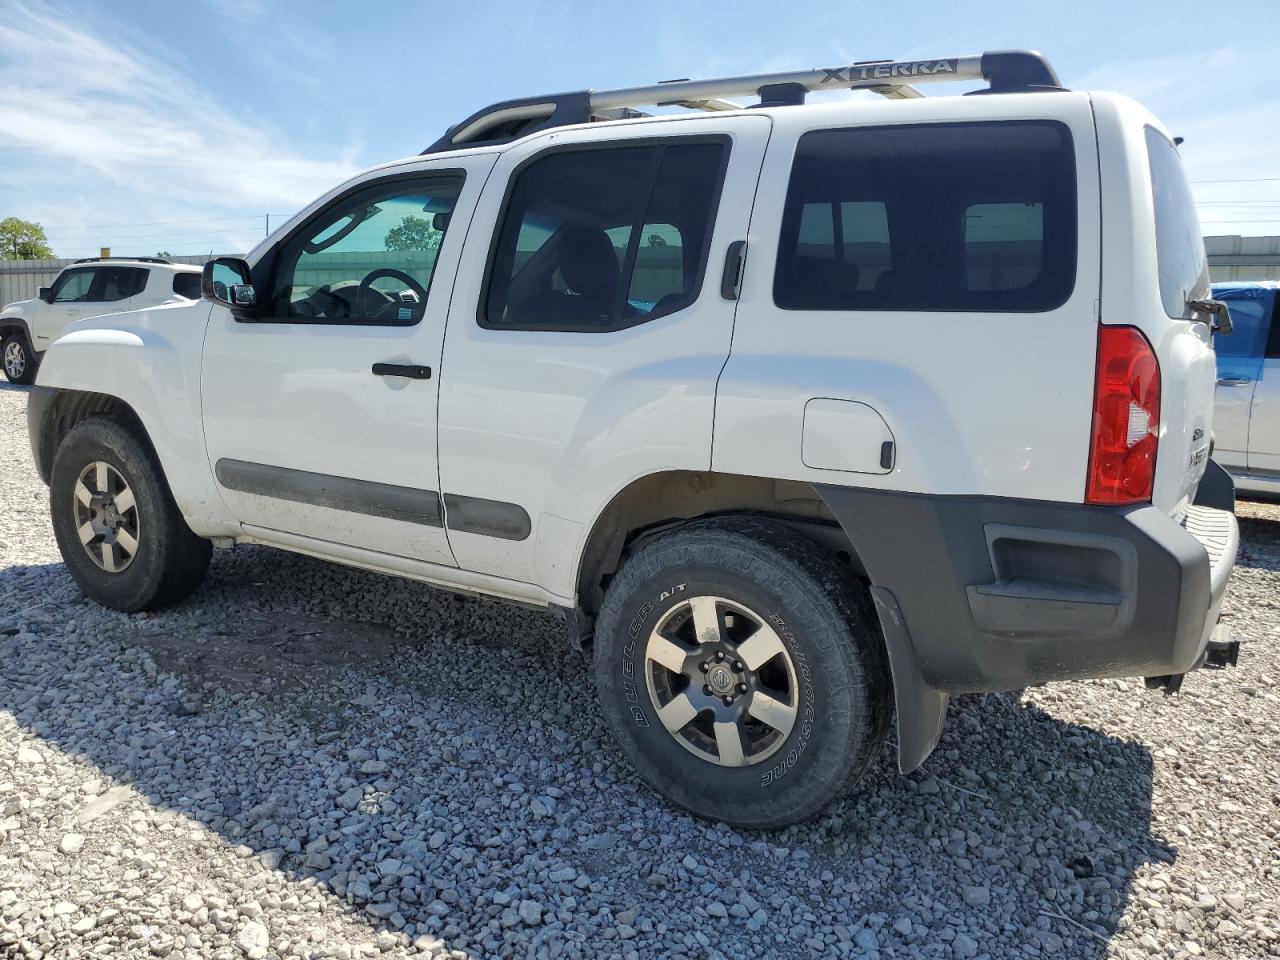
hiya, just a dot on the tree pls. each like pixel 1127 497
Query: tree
pixel 414 233
pixel 655 240
pixel 163 253
pixel 23 240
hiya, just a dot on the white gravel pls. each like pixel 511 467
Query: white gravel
pixel 305 760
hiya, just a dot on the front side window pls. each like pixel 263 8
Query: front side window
pixel 604 238
pixel 119 283
pixel 1180 258
pixel 368 259
pixel 74 286
pixel 930 217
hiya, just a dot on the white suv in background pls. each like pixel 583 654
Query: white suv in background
pixel 796 413
pixel 86 289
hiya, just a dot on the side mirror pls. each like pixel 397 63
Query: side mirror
pixel 226 280
pixel 46 294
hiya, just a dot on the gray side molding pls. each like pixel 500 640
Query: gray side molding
pixel 921 710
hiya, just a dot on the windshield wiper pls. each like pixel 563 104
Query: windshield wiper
pixel 1215 309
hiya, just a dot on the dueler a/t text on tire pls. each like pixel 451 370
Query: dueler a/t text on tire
pixel 116 523
pixel 742 671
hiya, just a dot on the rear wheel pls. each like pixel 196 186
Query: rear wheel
pixel 117 526
pixel 742 671
pixel 18 359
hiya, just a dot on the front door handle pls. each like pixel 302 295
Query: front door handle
pixel 1233 381
pixel 413 371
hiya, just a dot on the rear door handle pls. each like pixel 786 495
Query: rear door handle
pixel 731 278
pixel 1233 381
pixel 413 371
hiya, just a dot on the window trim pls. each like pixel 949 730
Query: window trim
pixel 1016 121
pixel 713 216
pixel 268 266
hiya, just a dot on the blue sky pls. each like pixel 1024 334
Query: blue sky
pixel 178 126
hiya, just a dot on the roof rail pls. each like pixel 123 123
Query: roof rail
pixel 1006 71
pixel 135 259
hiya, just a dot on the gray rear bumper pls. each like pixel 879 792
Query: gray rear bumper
pixel 985 594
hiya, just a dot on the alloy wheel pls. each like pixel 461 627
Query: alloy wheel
pixel 15 360
pixel 722 681
pixel 106 516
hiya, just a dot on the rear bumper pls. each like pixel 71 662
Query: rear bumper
pixel 996 594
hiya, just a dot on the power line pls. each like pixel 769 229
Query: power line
pixel 1241 180
pixel 167 223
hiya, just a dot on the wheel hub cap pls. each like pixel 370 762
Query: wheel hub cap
pixel 722 681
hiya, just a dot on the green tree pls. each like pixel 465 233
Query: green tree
pixel 163 253
pixel 23 240
pixel 655 240
pixel 414 233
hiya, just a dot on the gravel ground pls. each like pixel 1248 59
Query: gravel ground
pixel 306 760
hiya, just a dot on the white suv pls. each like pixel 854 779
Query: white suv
pixel 797 413
pixel 87 288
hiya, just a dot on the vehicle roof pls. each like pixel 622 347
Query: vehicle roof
pixel 134 262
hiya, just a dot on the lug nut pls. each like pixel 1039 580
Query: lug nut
pixel 706 688
pixel 719 654
pixel 739 665
pixel 727 700
pixel 742 688
pixel 703 666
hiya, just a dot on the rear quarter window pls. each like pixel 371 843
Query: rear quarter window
pixel 1180 258
pixel 931 217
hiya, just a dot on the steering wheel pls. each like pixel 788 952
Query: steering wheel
pixel 366 286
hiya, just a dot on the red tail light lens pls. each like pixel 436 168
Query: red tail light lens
pixel 1126 418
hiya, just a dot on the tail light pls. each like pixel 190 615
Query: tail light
pixel 1126 418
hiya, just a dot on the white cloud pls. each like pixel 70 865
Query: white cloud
pixel 130 117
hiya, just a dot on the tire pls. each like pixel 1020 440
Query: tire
pixel 138 553
pixel 777 596
pixel 18 359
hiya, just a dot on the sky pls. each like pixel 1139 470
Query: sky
pixel 179 127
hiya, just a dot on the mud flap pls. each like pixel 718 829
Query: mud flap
pixel 921 710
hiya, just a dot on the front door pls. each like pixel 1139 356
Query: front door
pixel 320 414
pixel 1239 358
pixel 71 295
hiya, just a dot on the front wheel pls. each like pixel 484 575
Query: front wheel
pixel 742 672
pixel 19 359
pixel 118 529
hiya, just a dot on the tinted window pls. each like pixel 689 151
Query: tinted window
pixel 119 283
pixel 187 285
pixel 1240 353
pixel 604 238
pixel 1180 259
pixel 73 286
pixel 938 217
pixel 369 258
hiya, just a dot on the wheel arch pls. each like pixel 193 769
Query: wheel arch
pixel 659 502
pixel 15 324
pixel 53 411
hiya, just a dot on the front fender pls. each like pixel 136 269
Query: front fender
pixel 150 360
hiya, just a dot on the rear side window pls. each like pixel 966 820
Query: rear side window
pixel 187 285
pixel 606 237
pixel 119 283
pixel 930 217
pixel 1180 259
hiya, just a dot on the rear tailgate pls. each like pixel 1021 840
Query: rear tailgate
pixel 1153 262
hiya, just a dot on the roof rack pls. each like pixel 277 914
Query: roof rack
pixel 1006 71
pixel 135 259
